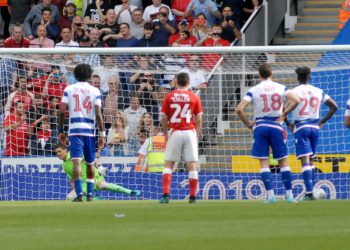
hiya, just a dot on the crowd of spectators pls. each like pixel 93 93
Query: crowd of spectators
pixel 131 86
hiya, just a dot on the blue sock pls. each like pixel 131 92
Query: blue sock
pixel 90 187
pixel 307 176
pixel 267 179
pixel 286 178
pixel 78 185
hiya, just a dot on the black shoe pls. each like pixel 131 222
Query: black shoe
pixel 89 198
pixel 78 199
pixel 192 199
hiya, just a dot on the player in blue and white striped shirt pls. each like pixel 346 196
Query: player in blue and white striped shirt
pixel 84 105
pixel 268 98
pixel 307 124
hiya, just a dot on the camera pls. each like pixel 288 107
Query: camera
pixel 185 34
pixel 153 16
pixel 217 34
pixel 156 22
pixel 78 24
pixel 144 80
pixel 227 18
pixel 163 14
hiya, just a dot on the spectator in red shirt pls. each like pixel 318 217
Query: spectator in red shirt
pixel 17 131
pixel 16 40
pixel 20 94
pixel 55 84
pixel 41 143
pixel 213 39
pixel 179 7
pixel 183 37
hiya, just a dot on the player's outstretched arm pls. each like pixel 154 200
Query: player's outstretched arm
pixel 242 115
pixel 332 108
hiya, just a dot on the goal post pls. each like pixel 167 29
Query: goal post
pixel 227 170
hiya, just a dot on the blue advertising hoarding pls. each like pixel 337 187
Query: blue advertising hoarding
pixel 43 179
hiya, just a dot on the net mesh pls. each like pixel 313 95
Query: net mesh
pixel 30 170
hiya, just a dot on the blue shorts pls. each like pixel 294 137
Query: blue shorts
pixel 82 145
pixel 306 140
pixel 266 137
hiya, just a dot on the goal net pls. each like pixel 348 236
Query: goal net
pixel 133 84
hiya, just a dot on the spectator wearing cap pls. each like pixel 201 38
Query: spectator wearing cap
pixel 124 12
pixel 163 27
pixel 52 29
pixel 109 27
pixel 230 24
pixel 16 40
pixel 66 35
pixel 35 15
pixel 70 12
pixel 148 39
pixel 137 24
pixel 183 37
pixel 178 7
pixel 207 7
pixel 153 9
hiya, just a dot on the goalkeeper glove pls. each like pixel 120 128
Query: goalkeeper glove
pixel 102 170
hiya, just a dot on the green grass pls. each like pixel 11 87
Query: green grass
pixel 177 225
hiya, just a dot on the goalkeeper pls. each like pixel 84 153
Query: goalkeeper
pixel 100 183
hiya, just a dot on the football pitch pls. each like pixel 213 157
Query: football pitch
pixel 177 225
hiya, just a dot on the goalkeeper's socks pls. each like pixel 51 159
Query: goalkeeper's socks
pixel 286 177
pixel 166 180
pixel 193 182
pixel 78 185
pixel 266 178
pixel 90 187
pixel 307 176
pixel 116 188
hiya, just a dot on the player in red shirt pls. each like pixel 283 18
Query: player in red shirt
pixel 182 114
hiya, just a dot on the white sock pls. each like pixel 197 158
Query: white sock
pixel 289 194
pixel 270 194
